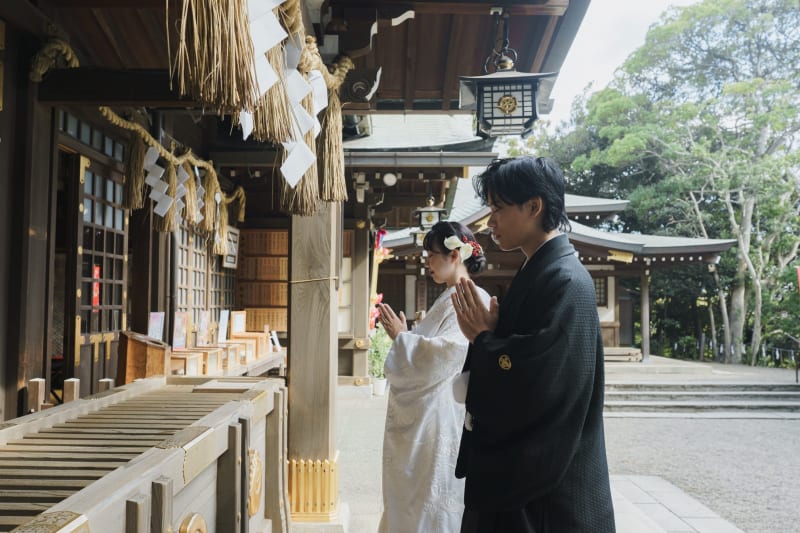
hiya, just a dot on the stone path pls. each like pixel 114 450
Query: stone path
pixel 643 504
pixel 671 472
pixel 652 504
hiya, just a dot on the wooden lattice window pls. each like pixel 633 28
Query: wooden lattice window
pixel 104 249
pixel 87 134
pixel 202 284
pixel 221 290
pixel 601 291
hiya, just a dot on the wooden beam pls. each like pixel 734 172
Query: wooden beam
pixel 25 16
pixel 112 4
pixel 394 200
pixel 450 75
pixel 553 7
pixel 537 60
pixel 108 33
pixel 100 86
pixel 467 7
pixel 411 64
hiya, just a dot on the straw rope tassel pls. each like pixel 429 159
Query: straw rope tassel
pixel 210 203
pixel 334 184
pixel 272 115
pixel 292 17
pixel 134 175
pixel 331 152
pixel 214 59
pixel 211 180
pixel 303 200
pixel 191 212
pixel 220 246
pixel 237 204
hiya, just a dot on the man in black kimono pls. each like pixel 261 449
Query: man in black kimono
pixel 533 449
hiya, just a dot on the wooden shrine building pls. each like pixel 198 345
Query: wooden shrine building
pixel 137 181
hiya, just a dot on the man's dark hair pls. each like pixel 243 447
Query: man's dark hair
pixel 515 180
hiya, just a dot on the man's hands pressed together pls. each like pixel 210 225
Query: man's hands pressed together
pixel 473 317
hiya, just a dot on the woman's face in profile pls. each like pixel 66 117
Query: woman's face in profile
pixel 442 266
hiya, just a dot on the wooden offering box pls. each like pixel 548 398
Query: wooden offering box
pixel 247 350
pixel 186 363
pixel 212 359
pixel 233 353
pixel 140 357
pixel 262 343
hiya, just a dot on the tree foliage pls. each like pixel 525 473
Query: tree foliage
pixel 700 130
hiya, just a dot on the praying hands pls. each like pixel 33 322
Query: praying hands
pixel 473 317
pixel 392 323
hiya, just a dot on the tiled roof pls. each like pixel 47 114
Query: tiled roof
pixel 467 209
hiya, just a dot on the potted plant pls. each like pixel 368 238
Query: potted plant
pixel 379 346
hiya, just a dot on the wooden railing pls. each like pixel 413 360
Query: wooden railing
pixel 176 454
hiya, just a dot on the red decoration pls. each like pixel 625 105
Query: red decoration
pixel 379 235
pixel 374 313
pixel 476 248
pixel 96 286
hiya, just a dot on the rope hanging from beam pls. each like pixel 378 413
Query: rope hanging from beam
pixel 214 219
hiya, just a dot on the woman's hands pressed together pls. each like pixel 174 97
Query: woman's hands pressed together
pixel 473 317
pixel 392 323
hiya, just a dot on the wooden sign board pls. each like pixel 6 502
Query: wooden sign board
pixel 238 322
pixel 231 257
pixel 155 325
pixel 180 331
pixel 202 328
pixel 222 329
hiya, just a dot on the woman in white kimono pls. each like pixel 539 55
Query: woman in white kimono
pixel 423 423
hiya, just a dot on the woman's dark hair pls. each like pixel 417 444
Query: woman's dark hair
pixel 434 242
pixel 516 180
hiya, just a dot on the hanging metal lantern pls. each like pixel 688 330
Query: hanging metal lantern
pixel 505 101
pixel 427 217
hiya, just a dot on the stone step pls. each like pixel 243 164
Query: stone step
pixel 715 414
pixel 702 396
pixel 700 386
pixel 644 405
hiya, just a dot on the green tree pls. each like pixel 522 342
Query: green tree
pixel 723 78
pixel 701 127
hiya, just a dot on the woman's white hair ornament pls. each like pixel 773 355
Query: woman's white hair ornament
pixel 465 248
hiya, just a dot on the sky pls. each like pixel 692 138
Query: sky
pixel 609 33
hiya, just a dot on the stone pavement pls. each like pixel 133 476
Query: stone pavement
pixel 643 504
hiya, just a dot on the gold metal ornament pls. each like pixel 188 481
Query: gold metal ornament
pixel 56 521
pixel 254 485
pixel 507 104
pixel 194 523
pixel 505 362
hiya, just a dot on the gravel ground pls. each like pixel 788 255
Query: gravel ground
pixel 747 471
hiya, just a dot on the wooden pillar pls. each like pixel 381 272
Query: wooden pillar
pixel 313 355
pixel 7 189
pixel 645 318
pixel 33 145
pixel 361 305
pixel 36 388
pixel 411 306
pixel 72 390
